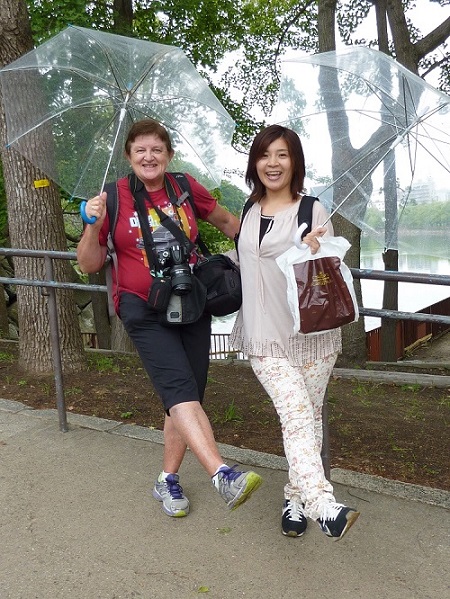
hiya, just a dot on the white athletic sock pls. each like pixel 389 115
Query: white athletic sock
pixel 164 475
pixel 219 468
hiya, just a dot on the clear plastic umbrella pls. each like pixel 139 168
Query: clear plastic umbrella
pixel 376 137
pixel 70 102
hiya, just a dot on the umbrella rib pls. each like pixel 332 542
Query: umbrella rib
pixel 71 70
pixel 131 89
pixel 89 158
pixel 357 184
pixel 46 120
pixel 121 118
pixel 108 58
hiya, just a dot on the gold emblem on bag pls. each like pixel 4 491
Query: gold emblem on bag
pixel 321 278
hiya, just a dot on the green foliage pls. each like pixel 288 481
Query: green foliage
pixel 103 363
pixel 73 391
pixel 216 241
pixel 413 387
pixel 126 415
pixel 49 17
pixel 374 218
pixel 232 198
pixel 229 414
pixel 432 217
pixel 6 357
pixel 205 29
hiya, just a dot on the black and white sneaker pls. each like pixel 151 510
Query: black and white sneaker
pixel 293 519
pixel 337 519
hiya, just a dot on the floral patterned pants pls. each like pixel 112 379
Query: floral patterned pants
pixel 297 394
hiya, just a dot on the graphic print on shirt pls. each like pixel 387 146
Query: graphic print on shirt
pixel 162 237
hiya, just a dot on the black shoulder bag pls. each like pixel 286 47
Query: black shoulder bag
pixel 176 295
pixel 218 273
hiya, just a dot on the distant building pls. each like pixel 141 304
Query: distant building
pixel 422 192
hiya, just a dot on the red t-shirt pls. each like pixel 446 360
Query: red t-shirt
pixel 133 270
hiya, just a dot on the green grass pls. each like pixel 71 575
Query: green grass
pixel 445 402
pixel 230 414
pixel 415 410
pixel 104 363
pixel 73 391
pixel 46 388
pixel 126 415
pixel 5 357
pixel 361 389
pixel 414 387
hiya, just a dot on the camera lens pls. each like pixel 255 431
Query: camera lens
pixel 180 277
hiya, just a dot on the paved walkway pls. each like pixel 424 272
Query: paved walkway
pixel 78 522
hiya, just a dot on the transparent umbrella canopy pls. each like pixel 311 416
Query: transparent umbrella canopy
pixel 70 102
pixel 376 137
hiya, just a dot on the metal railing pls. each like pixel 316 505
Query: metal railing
pixel 49 286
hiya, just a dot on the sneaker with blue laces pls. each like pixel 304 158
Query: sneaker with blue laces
pixel 337 519
pixel 293 519
pixel 234 486
pixel 170 493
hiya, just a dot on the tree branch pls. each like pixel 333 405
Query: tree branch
pixel 434 39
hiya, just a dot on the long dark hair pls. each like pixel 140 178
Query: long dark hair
pixel 260 144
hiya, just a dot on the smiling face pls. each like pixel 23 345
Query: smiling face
pixel 275 168
pixel 149 158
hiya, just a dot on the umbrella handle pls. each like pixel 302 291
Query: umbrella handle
pixel 298 237
pixel 90 220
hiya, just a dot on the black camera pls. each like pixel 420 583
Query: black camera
pixel 175 262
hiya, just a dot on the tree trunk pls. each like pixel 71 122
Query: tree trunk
pixel 326 25
pixel 404 48
pixel 353 335
pixel 119 337
pixel 4 322
pixel 35 222
pixel 123 17
pixel 388 333
pixel 100 311
pixel 388 341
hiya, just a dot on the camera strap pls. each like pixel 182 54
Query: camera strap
pixel 177 201
pixel 140 194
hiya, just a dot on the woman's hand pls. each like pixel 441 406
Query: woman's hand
pixel 311 238
pixel 90 254
pixel 97 207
